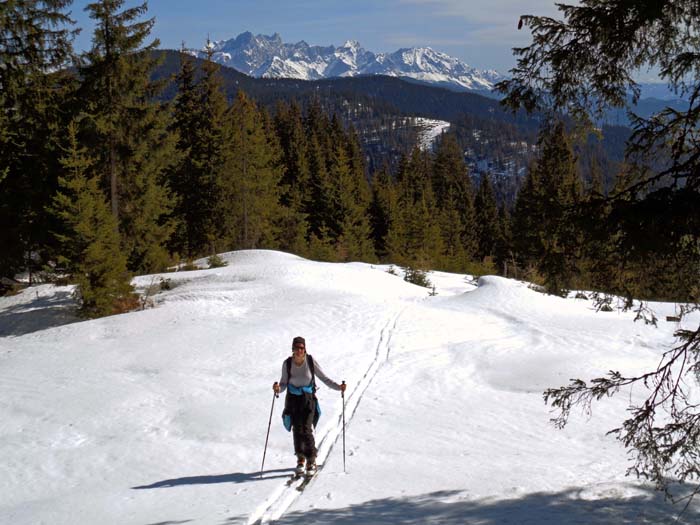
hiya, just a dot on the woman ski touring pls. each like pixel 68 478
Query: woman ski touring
pixel 300 405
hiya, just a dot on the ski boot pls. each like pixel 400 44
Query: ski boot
pixel 300 466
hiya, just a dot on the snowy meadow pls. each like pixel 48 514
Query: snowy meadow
pixel 160 416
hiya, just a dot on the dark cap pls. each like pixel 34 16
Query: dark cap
pixel 298 340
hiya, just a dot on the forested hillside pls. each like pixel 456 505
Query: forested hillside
pixel 134 160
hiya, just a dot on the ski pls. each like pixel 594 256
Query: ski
pixel 293 478
pixel 307 480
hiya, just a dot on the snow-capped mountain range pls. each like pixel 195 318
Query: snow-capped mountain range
pixel 269 57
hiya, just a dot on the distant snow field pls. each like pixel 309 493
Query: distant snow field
pixel 160 415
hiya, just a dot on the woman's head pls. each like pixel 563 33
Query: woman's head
pixel 298 346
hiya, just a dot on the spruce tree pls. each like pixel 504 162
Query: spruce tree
pixel 182 175
pixel 354 239
pixel 292 224
pixel 414 235
pixel 381 207
pixel 454 256
pixel 527 220
pixel 349 194
pixel 249 184
pixel 204 131
pixel 486 215
pixel 449 170
pixel 89 239
pixel 503 250
pixel 319 195
pixel 455 196
pixel 130 134
pixel 35 87
pixel 558 196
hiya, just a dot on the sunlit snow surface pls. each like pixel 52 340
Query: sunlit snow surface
pixel 159 416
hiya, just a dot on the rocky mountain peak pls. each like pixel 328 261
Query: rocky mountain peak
pixel 269 57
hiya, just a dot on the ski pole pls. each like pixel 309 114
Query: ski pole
pixel 269 423
pixel 342 394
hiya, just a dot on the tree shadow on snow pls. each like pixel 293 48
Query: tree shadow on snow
pixel 40 313
pixel 454 508
pixel 237 477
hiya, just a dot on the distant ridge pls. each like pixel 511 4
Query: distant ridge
pixel 264 56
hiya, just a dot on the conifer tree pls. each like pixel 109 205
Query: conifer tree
pixel 319 195
pixel 396 240
pixel 292 225
pixel 130 133
pixel 559 194
pixel 89 238
pixel 349 196
pixel 250 182
pixel 382 208
pixel 35 48
pixel 454 257
pixel 449 170
pixel 182 175
pixel 527 220
pixel 503 250
pixel 351 206
pixel 289 127
pixel 204 131
pixel 486 213
pixel 414 237
pixel 454 195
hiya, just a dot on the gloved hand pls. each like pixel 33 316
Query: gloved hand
pixel 276 388
pixel 343 386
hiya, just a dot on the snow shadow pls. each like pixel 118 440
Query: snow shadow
pixel 453 508
pixel 237 477
pixel 39 313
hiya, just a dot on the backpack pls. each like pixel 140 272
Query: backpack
pixel 288 364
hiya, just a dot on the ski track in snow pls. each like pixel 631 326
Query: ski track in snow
pixel 285 495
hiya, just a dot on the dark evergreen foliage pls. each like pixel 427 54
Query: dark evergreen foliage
pixel 486 220
pixel 35 40
pixel 581 65
pixel 249 184
pixel 128 130
pixel 89 239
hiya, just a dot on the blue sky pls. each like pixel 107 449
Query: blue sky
pixel 479 32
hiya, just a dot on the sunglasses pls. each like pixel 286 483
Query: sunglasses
pixel 298 347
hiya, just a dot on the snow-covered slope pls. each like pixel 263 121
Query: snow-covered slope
pixel 269 57
pixel 159 416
